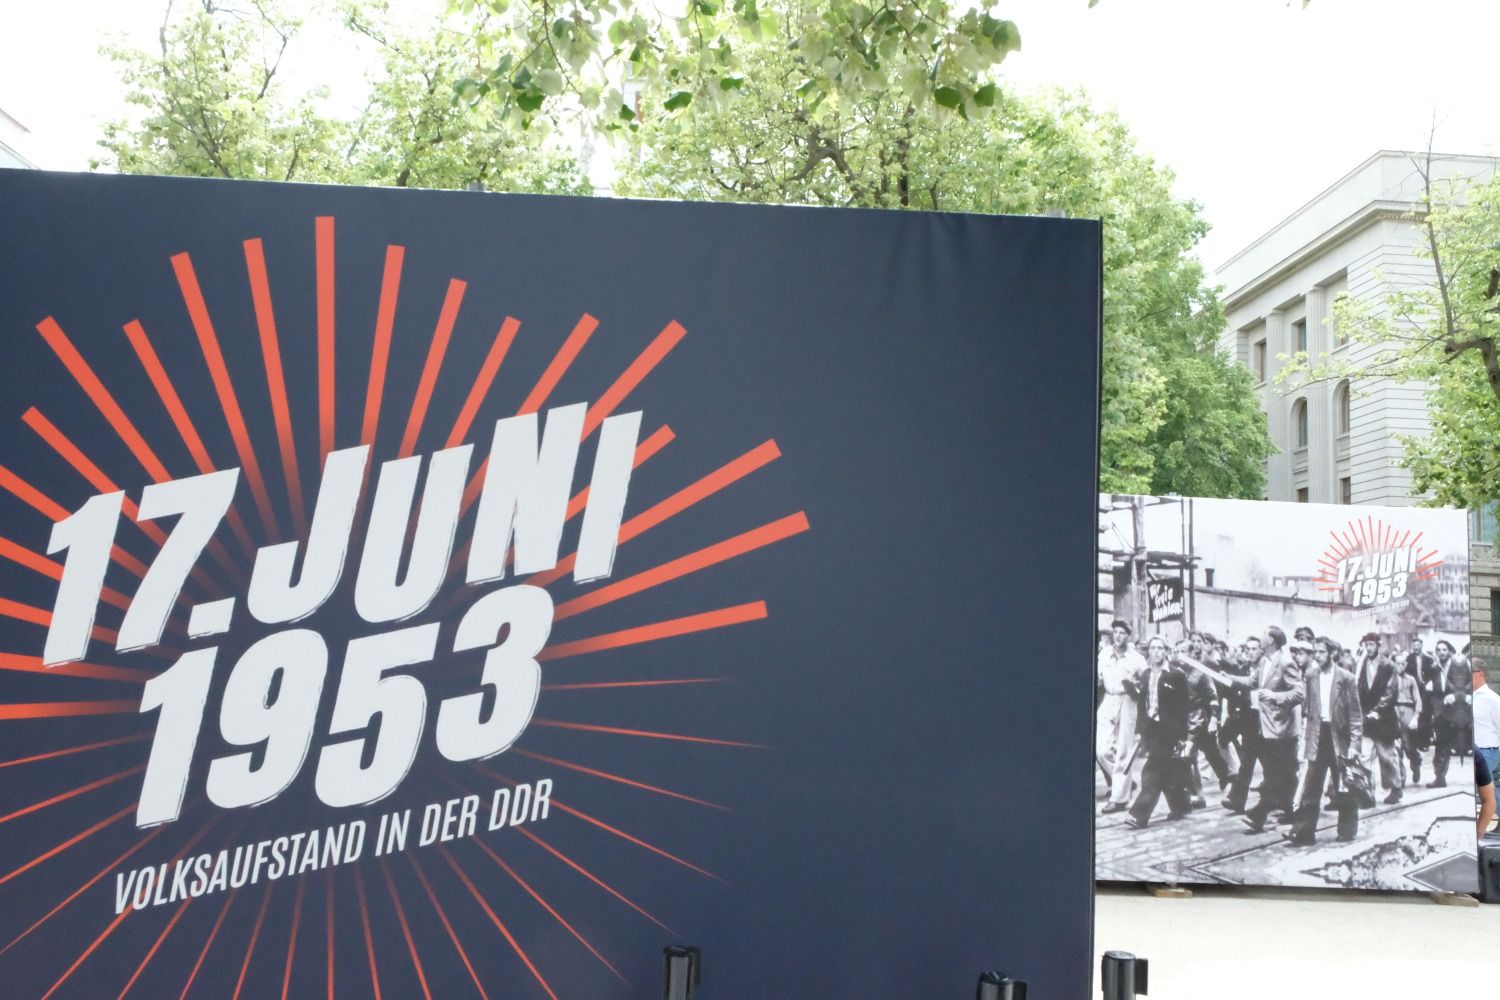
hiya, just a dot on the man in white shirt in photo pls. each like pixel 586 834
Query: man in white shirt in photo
pixel 1486 718
pixel 1120 670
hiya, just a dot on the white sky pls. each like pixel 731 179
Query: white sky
pixel 1257 105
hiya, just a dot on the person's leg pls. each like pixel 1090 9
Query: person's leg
pixel 1209 747
pixel 1106 722
pixel 1443 739
pixel 1124 752
pixel 1273 781
pixel 1286 777
pixel 1305 818
pixel 1177 788
pixel 1239 790
pixel 1390 769
pixel 1152 783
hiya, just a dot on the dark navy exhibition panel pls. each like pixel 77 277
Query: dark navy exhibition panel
pixel 914 802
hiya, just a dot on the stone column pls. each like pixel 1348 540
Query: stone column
pixel 1278 412
pixel 1322 463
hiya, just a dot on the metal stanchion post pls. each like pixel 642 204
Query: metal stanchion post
pixel 1122 975
pixel 683 968
pixel 999 986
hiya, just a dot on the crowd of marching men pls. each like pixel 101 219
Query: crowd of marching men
pixel 1316 715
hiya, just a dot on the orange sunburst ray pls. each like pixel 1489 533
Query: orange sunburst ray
pixel 61 846
pixel 669 628
pixel 54 511
pixel 120 918
pixel 212 934
pixel 483 381
pixel 645 734
pixel 21 663
pixel 596 880
pixel 437 349
pixel 51 568
pixel 599 823
pixel 150 361
pixel 84 466
pixel 328 925
pixel 617 779
pixel 749 541
pixel 494 919
pixel 65 709
pixel 364 920
pixel 102 872
pixel 323 238
pixel 539 394
pixel 155 947
pixel 106 404
pixel 270 349
pixel 551 910
pixel 260 919
pixel 607 685
pixel 721 478
pixel 69 751
pixel 559 365
pixel 636 373
pixel 291 938
pixel 108 930
pixel 380 351
pixel 447 924
pixel 662 437
pixel 34 615
pixel 411 945
pixel 72 793
pixel 213 357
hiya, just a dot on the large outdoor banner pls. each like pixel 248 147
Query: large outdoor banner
pixel 1284 695
pixel 418 594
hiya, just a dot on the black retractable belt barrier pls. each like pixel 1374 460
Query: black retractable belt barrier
pixel 999 986
pixel 1122 975
pixel 683 968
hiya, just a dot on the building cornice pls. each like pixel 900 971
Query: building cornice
pixel 1368 215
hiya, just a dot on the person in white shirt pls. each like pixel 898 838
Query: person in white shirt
pixel 1486 718
pixel 1120 670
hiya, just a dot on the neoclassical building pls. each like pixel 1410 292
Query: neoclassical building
pixel 1338 443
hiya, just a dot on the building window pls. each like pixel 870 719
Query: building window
pixel 1495 612
pixel 1299 423
pixel 1302 494
pixel 1299 336
pixel 1346 490
pixel 1341 407
pixel 1483 523
pixel 1258 360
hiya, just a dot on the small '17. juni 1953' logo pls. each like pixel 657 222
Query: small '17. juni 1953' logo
pixel 1371 563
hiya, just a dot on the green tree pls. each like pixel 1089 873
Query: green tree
pixel 1444 334
pixel 212 102
pixel 1177 416
pixel 558 56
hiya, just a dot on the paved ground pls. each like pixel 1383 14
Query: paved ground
pixel 1403 846
pixel 1260 944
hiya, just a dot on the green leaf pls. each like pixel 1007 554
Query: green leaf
pixel 627 113
pixel 530 100
pixel 948 97
pixel 681 99
pixel 985 96
pixel 731 82
pixel 618 32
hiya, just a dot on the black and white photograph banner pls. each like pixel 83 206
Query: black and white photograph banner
pixel 1283 695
